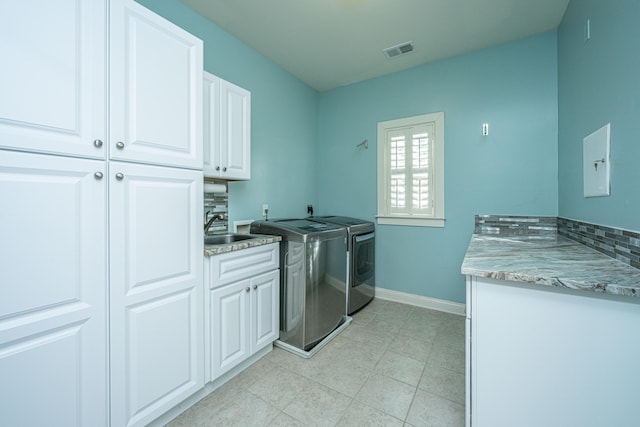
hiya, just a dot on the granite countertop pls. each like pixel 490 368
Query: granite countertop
pixel 260 240
pixel 549 261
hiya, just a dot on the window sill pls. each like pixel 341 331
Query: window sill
pixel 410 221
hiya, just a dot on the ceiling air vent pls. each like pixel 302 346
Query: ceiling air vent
pixel 398 50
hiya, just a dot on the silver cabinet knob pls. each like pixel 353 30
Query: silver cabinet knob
pixel 119 176
pixel 224 169
pixel 97 143
pixel 217 168
pixel 119 145
pixel 248 289
pixel 98 175
pixel 255 287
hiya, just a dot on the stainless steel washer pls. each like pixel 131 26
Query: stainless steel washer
pixel 361 248
pixel 313 279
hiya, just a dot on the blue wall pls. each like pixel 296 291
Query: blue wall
pixel 303 144
pixel 512 87
pixel 284 120
pixel 599 83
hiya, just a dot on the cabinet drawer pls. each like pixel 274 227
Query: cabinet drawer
pixel 233 266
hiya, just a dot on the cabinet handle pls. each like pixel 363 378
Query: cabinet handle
pixel 255 287
pixel 247 289
pixel 98 175
pixel 119 176
pixel 97 143
pixel 217 168
pixel 119 145
pixel 224 169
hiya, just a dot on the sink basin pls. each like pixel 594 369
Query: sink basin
pixel 221 239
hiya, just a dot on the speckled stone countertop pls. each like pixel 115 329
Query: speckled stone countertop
pixel 210 250
pixel 549 261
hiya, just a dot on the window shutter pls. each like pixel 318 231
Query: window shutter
pixel 411 171
pixel 410 153
pixel 398 172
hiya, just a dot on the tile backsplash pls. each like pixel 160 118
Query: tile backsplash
pixel 216 203
pixel 623 245
pixel 513 225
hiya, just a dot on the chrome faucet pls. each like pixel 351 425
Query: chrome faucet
pixel 214 217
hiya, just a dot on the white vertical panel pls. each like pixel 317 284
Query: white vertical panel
pixel 156 264
pixel 211 125
pixel 52 78
pixel 160 351
pixel 264 309
pixel 229 326
pixel 53 307
pixel 552 358
pixel 236 131
pixel 156 89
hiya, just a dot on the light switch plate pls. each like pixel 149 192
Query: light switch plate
pixel 595 162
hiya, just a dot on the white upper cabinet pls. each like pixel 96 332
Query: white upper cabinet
pixel 227 129
pixel 53 329
pixel 52 77
pixel 156 89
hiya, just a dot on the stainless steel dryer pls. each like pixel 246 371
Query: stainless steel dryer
pixel 361 247
pixel 313 278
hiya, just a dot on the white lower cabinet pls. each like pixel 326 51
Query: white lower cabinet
pixel 53 291
pixel 157 309
pixel 544 356
pixel 244 305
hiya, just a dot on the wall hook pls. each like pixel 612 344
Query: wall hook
pixel 365 143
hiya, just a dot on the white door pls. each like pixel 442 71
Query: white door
pixel 236 131
pixel 211 124
pixel 157 310
pixel 265 309
pixel 229 326
pixel 156 89
pixel 53 330
pixel 52 91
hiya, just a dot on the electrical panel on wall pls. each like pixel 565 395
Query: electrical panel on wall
pixel 595 162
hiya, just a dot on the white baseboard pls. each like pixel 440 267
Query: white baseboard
pixel 421 301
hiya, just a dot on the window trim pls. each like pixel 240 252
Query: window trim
pixel 384 217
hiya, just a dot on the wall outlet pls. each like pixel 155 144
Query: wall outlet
pixel 265 210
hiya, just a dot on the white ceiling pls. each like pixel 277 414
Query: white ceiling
pixel 331 43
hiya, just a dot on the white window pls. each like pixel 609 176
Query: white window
pixel 411 171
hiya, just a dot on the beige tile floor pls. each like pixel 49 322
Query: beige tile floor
pixel 395 365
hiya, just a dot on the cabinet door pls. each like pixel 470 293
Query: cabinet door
pixel 53 339
pixel 265 309
pixel 52 76
pixel 157 310
pixel 211 125
pixel 229 326
pixel 535 347
pixel 156 89
pixel 235 149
